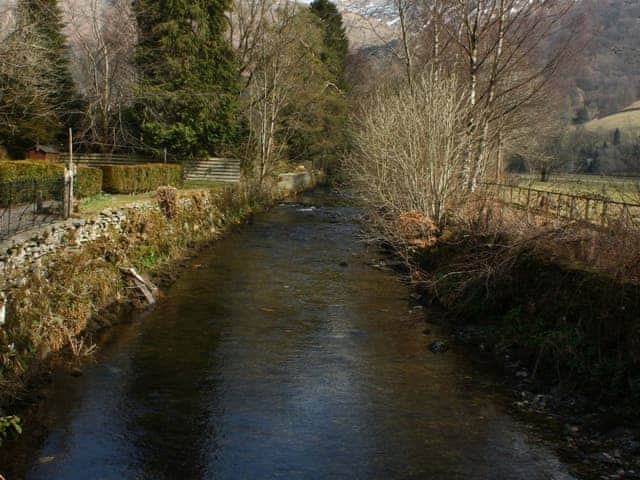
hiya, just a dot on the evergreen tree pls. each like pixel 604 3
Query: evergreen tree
pixel 335 38
pixel 189 85
pixel 617 137
pixel 46 18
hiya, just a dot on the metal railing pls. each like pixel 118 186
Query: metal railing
pixel 26 204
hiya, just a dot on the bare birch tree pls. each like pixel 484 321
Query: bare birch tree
pixel 277 46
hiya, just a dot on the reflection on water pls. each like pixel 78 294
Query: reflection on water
pixel 271 358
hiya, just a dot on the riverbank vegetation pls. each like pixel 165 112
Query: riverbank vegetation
pixel 555 298
pixel 259 80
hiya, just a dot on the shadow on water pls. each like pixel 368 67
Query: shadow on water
pixel 281 354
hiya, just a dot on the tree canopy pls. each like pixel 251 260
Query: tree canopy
pixel 189 85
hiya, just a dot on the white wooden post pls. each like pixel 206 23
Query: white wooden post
pixel 68 181
pixel 3 309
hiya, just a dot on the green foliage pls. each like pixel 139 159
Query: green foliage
pixel 189 77
pixel 46 16
pixel 29 170
pixel 88 182
pixel 316 120
pixel 140 178
pixel 10 427
pixel 335 40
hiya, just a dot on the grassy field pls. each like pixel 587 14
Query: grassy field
pixel 92 205
pixel 614 188
pixel 626 121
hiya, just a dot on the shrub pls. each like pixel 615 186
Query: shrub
pixel 168 201
pixel 141 178
pixel 29 170
pixel 19 178
pixel 88 182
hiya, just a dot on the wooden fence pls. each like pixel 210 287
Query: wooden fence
pixel 105 159
pixel 211 169
pixel 589 210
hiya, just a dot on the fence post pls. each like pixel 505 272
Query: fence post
pixel 68 181
pixel 586 211
pixel 603 221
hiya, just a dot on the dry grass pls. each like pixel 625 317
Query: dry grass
pixel 625 121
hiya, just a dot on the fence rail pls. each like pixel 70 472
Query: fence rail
pixel 106 159
pixel 213 169
pixel 25 204
pixel 621 183
pixel 586 209
pixel 210 169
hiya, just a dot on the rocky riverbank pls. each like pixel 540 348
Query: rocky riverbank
pixel 563 338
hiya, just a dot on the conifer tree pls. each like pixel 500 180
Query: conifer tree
pixel 46 19
pixel 189 85
pixel 335 38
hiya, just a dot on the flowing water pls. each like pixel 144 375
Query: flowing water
pixel 282 354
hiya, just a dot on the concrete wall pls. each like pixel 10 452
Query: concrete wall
pixel 292 183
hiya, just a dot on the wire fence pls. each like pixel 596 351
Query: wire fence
pixel 588 210
pixel 26 204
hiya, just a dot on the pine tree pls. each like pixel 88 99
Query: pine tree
pixel 189 84
pixel 46 18
pixel 617 137
pixel 335 38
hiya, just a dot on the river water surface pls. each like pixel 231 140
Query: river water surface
pixel 282 354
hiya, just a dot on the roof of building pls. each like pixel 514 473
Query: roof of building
pixel 46 149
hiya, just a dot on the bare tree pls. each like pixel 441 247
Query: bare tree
pixel 411 151
pixel 103 38
pixel 278 47
pixel 26 78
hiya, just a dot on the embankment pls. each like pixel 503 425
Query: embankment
pixel 64 282
pixel 557 327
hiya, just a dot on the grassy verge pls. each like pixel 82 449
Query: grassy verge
pixel 96 204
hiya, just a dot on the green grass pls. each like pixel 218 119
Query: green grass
pixel 204 184
pixel 96 204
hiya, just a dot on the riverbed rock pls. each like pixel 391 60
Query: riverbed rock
pixel 439 346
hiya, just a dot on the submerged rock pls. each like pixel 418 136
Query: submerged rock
pixel 439 346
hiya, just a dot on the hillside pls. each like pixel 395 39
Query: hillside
pixel 628 120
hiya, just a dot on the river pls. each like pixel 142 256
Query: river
pixel 281 353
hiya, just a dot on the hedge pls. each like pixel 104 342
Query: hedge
pixel 29 170
pixel 88 182
pixel 48 176
pixel 141 178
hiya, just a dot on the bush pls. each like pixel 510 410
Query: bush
pixel 88 182
pixel 29 170
pixel 19 178
pixel 48 178
pixel 141 178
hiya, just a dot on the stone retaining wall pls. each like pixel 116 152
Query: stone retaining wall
pixel 26 251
